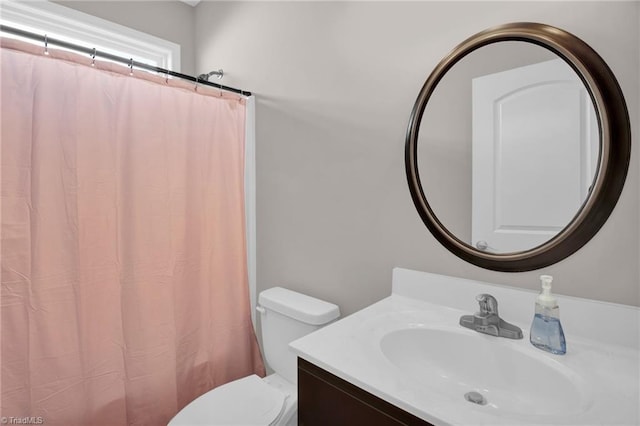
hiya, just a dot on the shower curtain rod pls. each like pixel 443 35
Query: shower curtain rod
pixel 129 62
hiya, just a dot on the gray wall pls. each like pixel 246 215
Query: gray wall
pixel 335 83
pixel 170 20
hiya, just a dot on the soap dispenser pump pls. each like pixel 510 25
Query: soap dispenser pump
pixel 546 331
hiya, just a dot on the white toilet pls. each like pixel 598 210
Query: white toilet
pixel 285 317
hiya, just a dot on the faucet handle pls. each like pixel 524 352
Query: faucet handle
pixel 488 304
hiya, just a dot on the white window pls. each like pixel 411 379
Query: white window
pixel 85 30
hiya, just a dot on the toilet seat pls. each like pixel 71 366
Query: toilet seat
pixel 246 401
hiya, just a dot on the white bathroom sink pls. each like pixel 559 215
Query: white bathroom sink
pixel 410 350
pixel 456 361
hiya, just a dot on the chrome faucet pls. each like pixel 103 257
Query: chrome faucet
pixel 487 320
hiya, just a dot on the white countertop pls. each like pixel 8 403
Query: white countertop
pixel 602 354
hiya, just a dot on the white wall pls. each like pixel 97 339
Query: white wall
pixel 336 82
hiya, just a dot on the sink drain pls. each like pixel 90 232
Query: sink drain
pixel 475 397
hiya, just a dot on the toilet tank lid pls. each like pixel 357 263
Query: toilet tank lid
pixel 298 306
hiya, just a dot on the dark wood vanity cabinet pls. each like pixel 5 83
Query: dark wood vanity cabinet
pixel 325 399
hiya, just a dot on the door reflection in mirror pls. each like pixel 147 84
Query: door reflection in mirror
pixel 535 149
pixel 508 147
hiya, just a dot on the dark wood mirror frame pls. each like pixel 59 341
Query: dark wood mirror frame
pixel 615 147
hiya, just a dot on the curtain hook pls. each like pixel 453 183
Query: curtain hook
pixel 195 88
pixel 46 45
pixel 166 77
pixel 220 90
pixel 130 66
pixel 93 57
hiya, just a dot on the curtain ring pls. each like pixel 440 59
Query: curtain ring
pixel 46 45
pixel 130 66
pixel 93 57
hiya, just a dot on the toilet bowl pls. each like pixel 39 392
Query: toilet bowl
pixel 248 401
pixel 273 400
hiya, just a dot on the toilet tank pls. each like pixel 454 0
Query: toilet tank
pixel 286 316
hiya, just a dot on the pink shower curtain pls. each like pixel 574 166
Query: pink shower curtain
pixel 124 279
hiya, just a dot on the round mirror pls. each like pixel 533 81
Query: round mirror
pixel 518 146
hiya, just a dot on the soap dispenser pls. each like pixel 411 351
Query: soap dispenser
pixel 546 331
